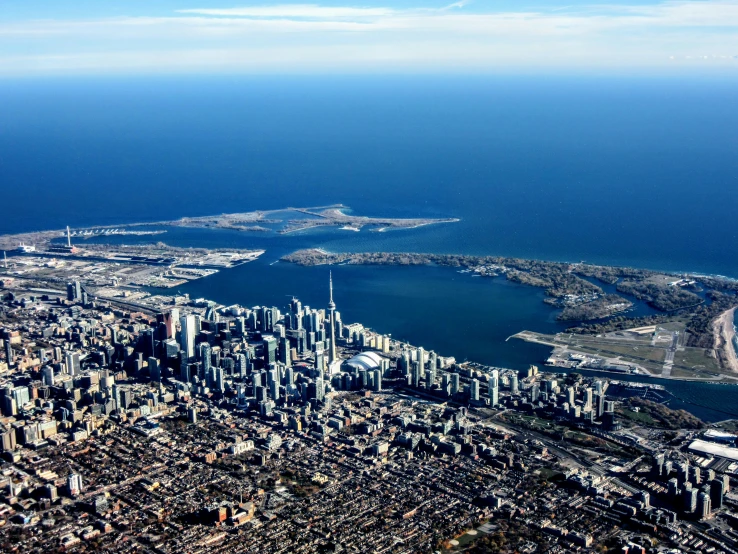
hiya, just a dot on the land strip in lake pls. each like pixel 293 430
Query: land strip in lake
pixel 685 306
pixel 281 221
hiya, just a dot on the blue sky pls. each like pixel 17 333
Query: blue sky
pixel 61 37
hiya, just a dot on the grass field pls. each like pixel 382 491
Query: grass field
pixel 638 417
pixel 697 359
pixel 688 362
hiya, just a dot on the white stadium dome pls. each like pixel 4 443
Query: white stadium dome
pixel 365 360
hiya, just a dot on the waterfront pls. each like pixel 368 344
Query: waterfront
pixel 526 173
pixel 436 307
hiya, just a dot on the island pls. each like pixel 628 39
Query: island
pixel 281 221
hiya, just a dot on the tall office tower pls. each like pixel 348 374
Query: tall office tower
pixel 690 498
pixel 433 360
pixel 210 314
pixel 257 379
pixel 289 377
pixel 695 475
pixel 319 389
pixel 535 393
pixel 8 351
pixel 284 351
pixel 188 334
pixel 271 374
pixel 645 497
pixel 446 384
pixel 494 388
pixel 348 381
pixel 270 349
pixel 154 369
pixel 206 357
pixel 267 319
pixel 295 310
pixel 658 464
pixel 241 395
pixel 148 342
pixel 312 321
pixel 406 362
pixel 600 404
pixel 717 493
pixel 74 484
pixel 474 390
pixel 241 366
pixel 72 363
pixel 320 360
pixel 377 380
pixel 683 472
pixel 241 326
pixel 570 397
pixel 184 370
pixel 673 486
pixel 173 321
pixel 588 398
pixel 302 346
pixel 219 380
pixel 332 322
pixel 454 383
pixel 274 389
pixel 430 378
pixel 420 353
pixel 415 374
pixel 228 364
pixel 252 319
pixel 74 291
pixel 260 317
pixel 47 374
pixel 703 505
pixel 514 383
pixel 126 398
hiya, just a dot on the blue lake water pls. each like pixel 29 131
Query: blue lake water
pixel 622 171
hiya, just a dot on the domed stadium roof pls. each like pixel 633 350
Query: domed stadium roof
pixel 365 360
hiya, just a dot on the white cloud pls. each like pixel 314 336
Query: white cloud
pixel 293 10
pixel 297 36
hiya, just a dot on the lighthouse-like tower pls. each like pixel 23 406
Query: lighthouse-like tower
pixel 332 327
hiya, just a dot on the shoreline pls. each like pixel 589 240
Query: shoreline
pixel 724 330
pixel 638 265
pixel 672 298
